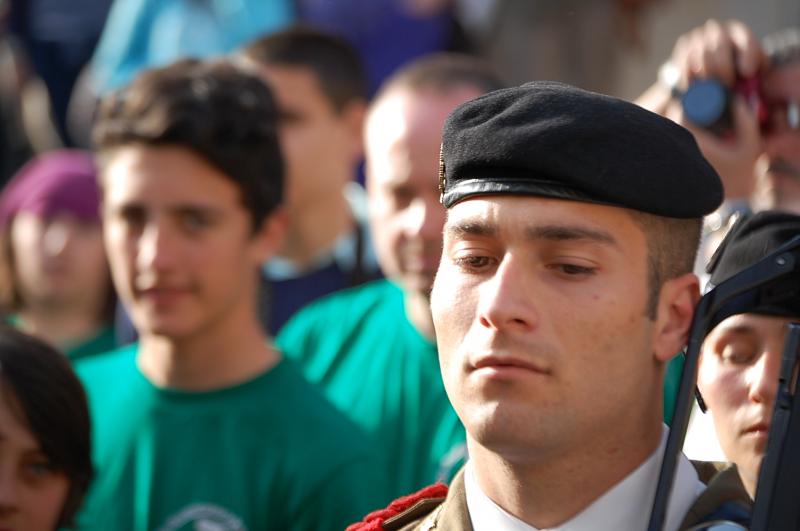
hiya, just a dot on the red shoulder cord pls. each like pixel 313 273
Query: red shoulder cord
pixel 374 520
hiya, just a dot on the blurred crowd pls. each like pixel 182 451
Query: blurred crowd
pixel 225 216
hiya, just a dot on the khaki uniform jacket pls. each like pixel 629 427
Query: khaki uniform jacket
pixel 451 513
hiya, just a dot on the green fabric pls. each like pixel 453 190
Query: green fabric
pixel 371 362
pixel 103 341
pixel 268 454
pixel 100 343
pixel 672 383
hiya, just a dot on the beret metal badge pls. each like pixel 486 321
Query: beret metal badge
pixel 442 178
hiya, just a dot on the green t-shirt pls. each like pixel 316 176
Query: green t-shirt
pixel 371 362
pixel 99 343
pixel 267 454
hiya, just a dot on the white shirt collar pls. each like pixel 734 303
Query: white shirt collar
pixel 626 506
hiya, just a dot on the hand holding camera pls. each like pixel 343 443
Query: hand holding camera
pixel 713 80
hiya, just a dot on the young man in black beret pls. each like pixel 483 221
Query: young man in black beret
pixel 564 289
pixel 741 356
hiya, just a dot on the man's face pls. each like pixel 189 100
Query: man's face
pixel 320 144
pixel 403 136
pixel 539 308
pixel 778 169
pixel 738 378
pixel 181 245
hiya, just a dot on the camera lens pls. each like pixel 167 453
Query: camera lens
pixel 705 102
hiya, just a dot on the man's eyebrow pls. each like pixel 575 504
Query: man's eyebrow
pixel 207 210
pixel 570 233
pixel 470 228
pixel 539 232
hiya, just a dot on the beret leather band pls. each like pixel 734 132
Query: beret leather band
pixel 511 186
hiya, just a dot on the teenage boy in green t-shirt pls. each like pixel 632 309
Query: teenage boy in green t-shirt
pixel 202 424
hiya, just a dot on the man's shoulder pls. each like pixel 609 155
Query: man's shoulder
pixel 302 407
pixel 111 365
pixel 406 513
pixel 435 507
pixel 349 307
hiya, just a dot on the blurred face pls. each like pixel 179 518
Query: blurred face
pixel 181 245
pixel 539 308
pixel 738 378
pixel 778 175
pixel 32 492
pixel 320 145
pixel 403 136
pixel 59 261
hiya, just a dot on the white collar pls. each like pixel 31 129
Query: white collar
pixel 626 506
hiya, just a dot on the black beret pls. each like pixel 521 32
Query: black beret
pixel 553 140
pixel 750 239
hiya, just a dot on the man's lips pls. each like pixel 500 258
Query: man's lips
pixel 501 362
pixel 162 293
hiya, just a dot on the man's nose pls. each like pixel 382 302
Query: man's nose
pixel 155 250
pixel 505 300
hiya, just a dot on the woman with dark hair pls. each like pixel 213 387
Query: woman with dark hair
pixel 54 279
pixel 45 445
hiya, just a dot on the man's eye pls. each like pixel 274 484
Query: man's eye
pixel 573 270
pixel 195 221
pixel 472 263
pixel 132 217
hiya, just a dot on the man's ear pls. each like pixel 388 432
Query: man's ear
pixel 268 238
pixel 353 116
pixel 676 303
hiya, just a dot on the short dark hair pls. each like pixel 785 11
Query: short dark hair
pixel 442 72
pixel 333 61
pixel 672 245
pixel 219 111
pixel 40 386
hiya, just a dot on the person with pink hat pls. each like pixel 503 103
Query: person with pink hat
pixel 54 279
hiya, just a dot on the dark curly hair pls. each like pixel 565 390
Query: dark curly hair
pixel 38 382
pixel 219 111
